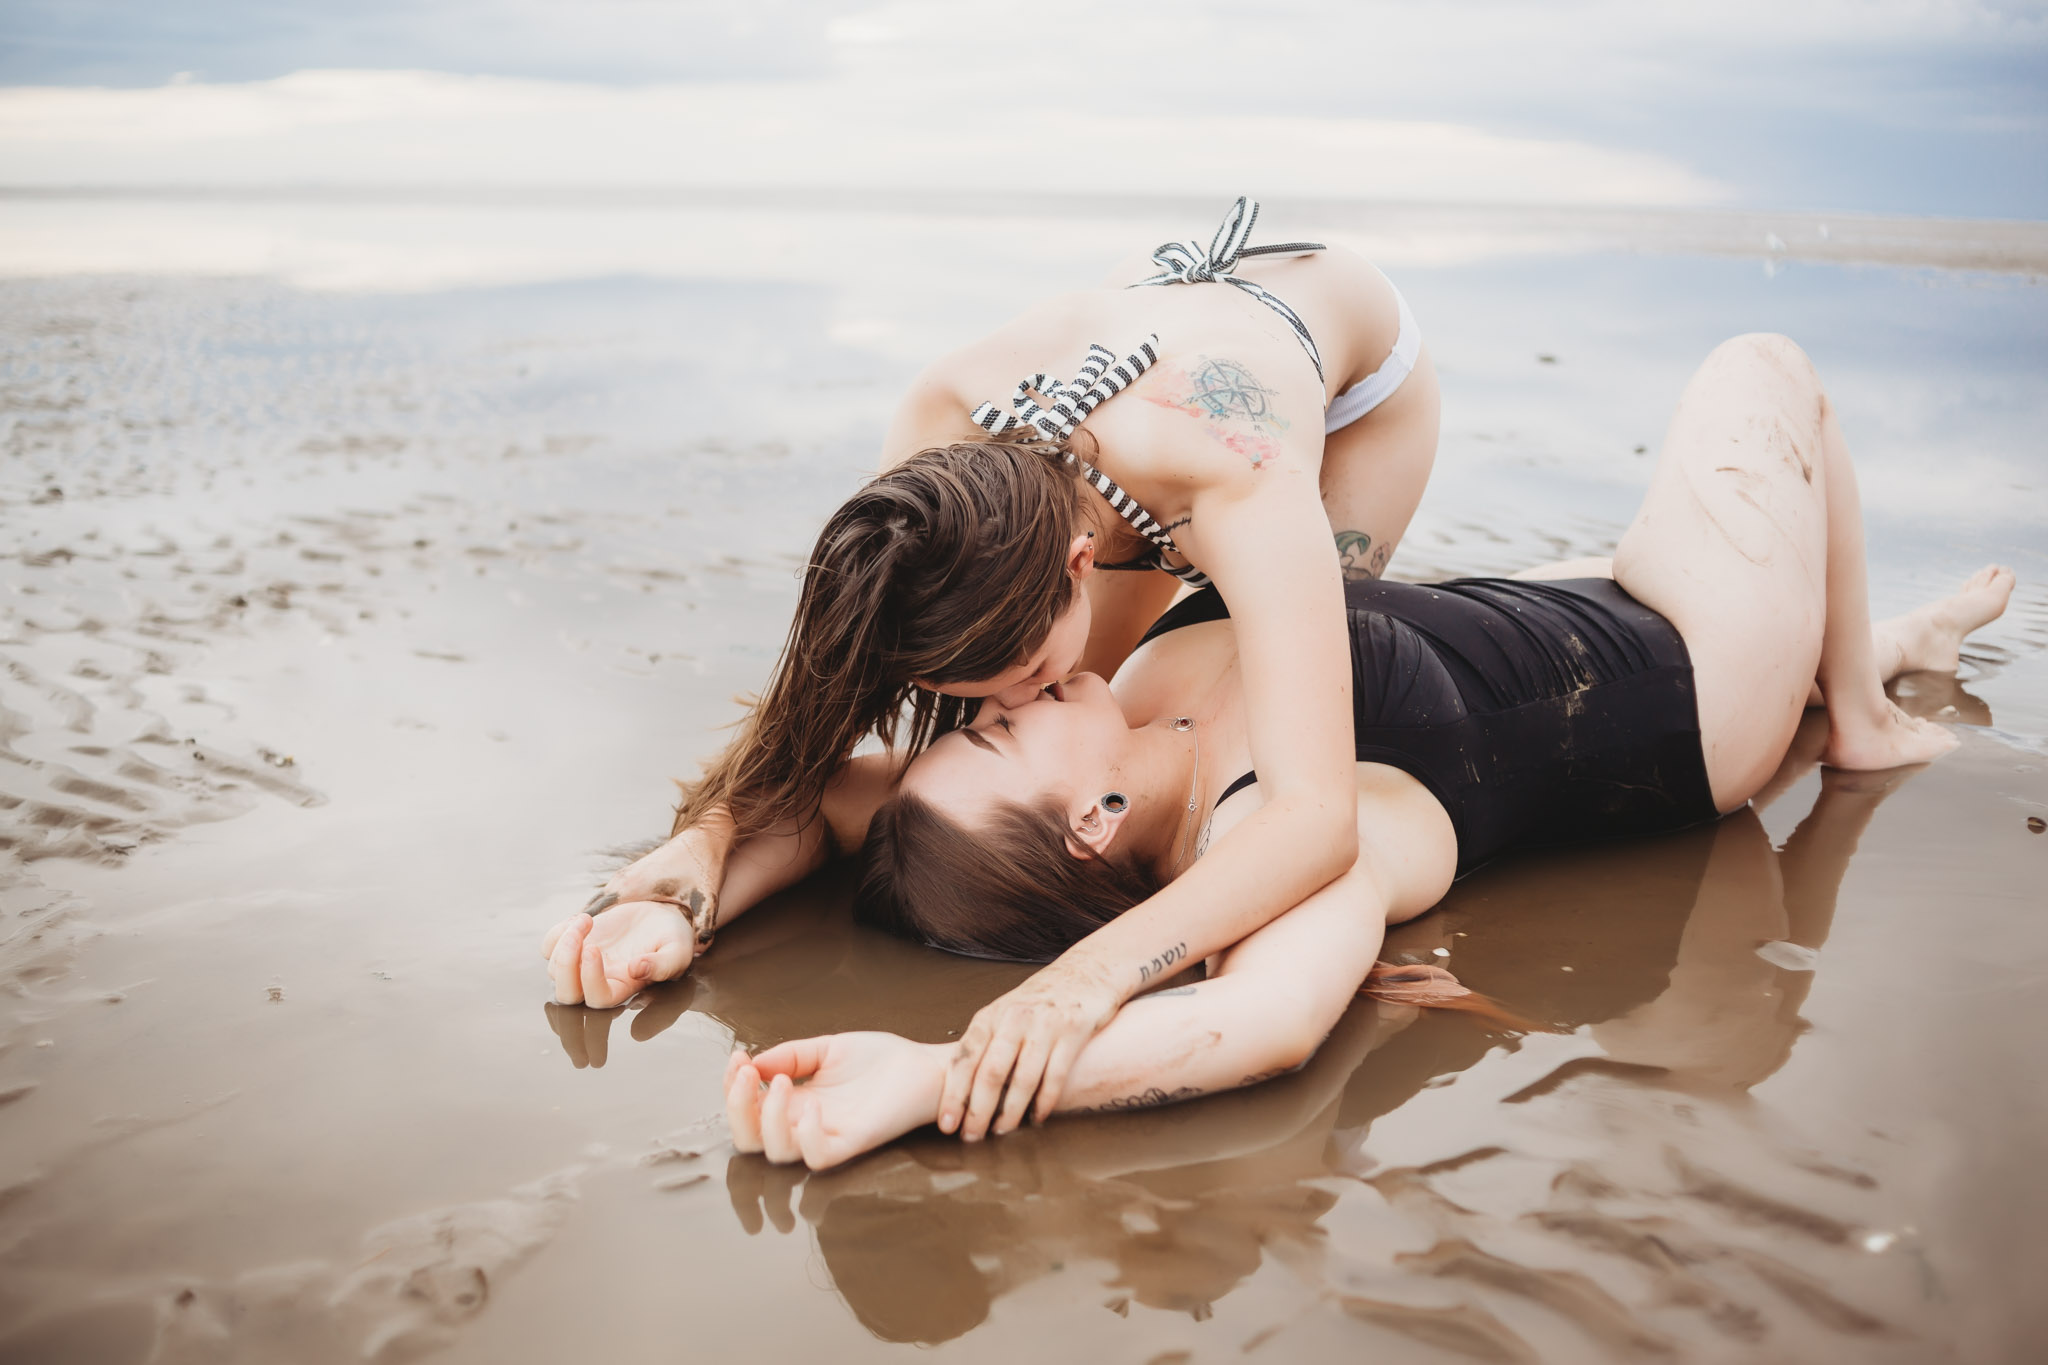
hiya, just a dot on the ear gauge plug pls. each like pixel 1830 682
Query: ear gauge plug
pixel 1116 803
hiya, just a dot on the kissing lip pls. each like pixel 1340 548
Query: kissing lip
pixel 1057 691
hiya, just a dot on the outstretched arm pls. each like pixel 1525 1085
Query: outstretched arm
pixel 628 942
pixel 1265 1011
pixel 1257 527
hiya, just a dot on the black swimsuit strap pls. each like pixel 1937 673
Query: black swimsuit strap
pixel 1234 788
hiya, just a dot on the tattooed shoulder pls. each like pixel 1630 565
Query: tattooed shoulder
pixel 1236 409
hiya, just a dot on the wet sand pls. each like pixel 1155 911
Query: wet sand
pixel 350 635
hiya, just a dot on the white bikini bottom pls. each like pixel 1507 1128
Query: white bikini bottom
pixel 1377 387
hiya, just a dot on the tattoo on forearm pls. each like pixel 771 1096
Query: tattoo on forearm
pixel 1161 995
pixel 1238 409
pixel 1258 1076
pixel 1147 1099
pixel 1175 525
pixel 1158 965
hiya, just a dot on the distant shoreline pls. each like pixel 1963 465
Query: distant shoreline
pixel 2004 246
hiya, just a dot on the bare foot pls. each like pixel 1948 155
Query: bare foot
pixel 1931 638
pixel 1892 739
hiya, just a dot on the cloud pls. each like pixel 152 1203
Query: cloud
pixel 1894 105
pixel 383 128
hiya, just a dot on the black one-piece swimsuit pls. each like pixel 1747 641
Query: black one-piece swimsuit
pixel 1536 712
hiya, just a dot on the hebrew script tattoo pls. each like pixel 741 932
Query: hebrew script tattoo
pixel 1237 410
pixel 1158 965
pixel 1147 1099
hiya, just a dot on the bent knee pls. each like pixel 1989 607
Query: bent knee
pixel 1773 352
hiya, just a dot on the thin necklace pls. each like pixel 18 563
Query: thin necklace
pixel 1194 785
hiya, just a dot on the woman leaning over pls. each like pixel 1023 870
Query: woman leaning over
pixel 1267 430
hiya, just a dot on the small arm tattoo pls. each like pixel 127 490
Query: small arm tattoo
pixel 1354 554
pixel 1146 1099
pixel 1158 965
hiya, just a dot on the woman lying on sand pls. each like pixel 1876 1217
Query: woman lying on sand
pixel 1489 714
pixel 1288 399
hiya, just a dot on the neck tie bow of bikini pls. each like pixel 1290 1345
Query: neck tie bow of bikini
pixel 1067 403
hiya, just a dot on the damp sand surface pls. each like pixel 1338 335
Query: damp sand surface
pixel 350 634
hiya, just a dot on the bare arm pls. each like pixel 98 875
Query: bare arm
pixel 603 958
pixel 782 857
pixel 1272 1002
pixel 1277 994
pixel 931 414
pixel 1260 532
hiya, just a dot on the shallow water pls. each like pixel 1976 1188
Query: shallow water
pixel 350 633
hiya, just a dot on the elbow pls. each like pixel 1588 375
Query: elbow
pixel 1294 1040
pixel 1336 838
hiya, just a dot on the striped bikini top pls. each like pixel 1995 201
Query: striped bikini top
pixel 1067 403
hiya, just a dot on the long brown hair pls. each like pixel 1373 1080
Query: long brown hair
pixel 1013 889
pixel 950 568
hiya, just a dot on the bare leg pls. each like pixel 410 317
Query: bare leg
pixel 1750 541
pixel 1865 728
pixel 1374 472
pixel 1928 639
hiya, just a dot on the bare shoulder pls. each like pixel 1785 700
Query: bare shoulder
pixel 935 408
pixel 1216 415
pixel 1406 835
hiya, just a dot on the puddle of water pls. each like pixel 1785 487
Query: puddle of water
pixel 349 635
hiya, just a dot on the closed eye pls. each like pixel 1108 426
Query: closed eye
pixel 1008 728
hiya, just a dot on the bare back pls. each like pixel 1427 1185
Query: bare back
pixel 1244 391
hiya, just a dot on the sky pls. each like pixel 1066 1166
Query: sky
pixel 1890 106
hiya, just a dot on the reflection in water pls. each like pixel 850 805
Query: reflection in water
pixel 1660 956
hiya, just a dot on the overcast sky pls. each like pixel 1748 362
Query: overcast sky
pixel 1916 106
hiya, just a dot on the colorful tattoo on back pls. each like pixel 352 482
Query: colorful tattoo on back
pixel 1237 410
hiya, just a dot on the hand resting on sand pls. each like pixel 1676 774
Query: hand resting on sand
pixel 858 1091
pixel 631 935
pixel 604 960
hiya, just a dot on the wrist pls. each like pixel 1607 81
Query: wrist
pixel 935 1058
pixel 1092 970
